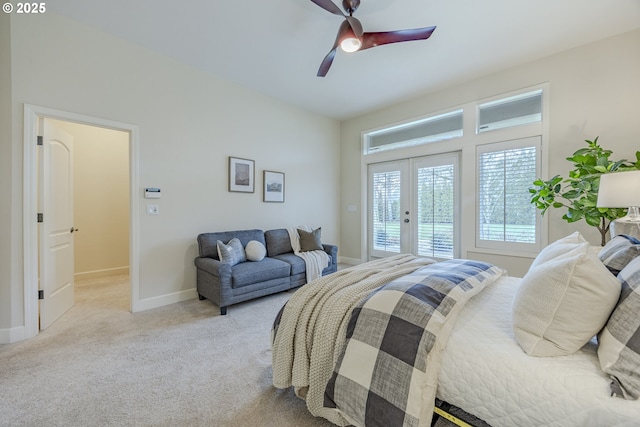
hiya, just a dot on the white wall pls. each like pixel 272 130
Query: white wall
pixel 101 200
pixel 594 91
pixel 189 123
pixel 7 298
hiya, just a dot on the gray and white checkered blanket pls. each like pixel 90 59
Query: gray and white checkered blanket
pixel 384 350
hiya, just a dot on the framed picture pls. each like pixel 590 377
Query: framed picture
pixel 241 175
pixel 273 186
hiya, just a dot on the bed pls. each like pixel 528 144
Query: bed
pixel 478 357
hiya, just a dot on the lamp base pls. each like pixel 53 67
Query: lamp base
pixel 629 224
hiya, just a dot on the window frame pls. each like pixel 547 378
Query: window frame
pixel 532 141
pixel 466 145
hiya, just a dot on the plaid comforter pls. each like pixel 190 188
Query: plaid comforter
pixel 385 373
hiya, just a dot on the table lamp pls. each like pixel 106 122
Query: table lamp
pixel 622 190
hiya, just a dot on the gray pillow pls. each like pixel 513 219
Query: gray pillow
pixel 310 241
pixel 619 341
pixel 232 252
pixel 619 252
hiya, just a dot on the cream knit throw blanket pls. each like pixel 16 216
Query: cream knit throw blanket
pixel 313 326
pixel 315 261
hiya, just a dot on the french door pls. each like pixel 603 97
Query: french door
pixel 413 207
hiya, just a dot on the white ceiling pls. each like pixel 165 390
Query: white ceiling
pixel 276 46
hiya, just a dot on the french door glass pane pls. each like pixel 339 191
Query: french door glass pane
pixel 436 211
pixel 506 213
pixel 386 211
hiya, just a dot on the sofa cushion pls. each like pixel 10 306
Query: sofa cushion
pixel 248 273
pixel 297 264
pixel 310 241
pixel 232 252
pixel 277 242
pixel 207 242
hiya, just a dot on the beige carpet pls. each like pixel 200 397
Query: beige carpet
pixel 179 365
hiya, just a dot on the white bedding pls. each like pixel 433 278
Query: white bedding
pixel 486 373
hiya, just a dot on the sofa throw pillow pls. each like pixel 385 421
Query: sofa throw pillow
pixel 232 252
pixel 255 251
pixel 310 241
pixel 567 246
pixel 563 303
pixel 619 341
pixel 619 252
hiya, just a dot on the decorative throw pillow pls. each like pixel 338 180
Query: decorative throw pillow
pixel 619 341
pixel 562 303
pixel 619 252
pixel 567 246
pixel 255 251
pixel 231 253
pixel 310 241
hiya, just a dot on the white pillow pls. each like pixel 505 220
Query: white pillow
pixel 562 303
pixel 255 250
pixel 567 246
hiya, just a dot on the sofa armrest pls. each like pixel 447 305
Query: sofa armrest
pixel 215 267
pixel 332 250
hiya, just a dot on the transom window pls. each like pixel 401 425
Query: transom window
pixel 423 131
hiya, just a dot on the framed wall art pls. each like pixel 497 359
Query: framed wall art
pixel 273 186
pixel 241 175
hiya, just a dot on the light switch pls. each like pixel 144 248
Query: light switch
pixel 153 210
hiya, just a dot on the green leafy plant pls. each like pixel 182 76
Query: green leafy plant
pixel 579 192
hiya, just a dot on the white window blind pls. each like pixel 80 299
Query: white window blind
pixel 505 213
pixel 436 203
pixel 512 111
pixel 386 211
pixel 431 129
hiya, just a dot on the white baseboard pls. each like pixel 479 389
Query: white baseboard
pixel 11 335
pixel 101 273
pixel 162 300
pixel 349 261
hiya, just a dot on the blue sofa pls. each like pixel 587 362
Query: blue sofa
pixel 280 270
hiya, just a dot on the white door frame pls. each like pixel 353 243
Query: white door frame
pixel 32 113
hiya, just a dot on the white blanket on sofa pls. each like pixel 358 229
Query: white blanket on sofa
pixel 315 261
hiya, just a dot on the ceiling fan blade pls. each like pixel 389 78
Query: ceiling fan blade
pixel 326 63
pixel 356 26
pixel 370 40
pixel 329 6
pixel 328 60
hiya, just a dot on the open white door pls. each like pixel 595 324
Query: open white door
pixel 56 233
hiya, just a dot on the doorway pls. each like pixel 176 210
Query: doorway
pixel 413 207
pixel 32 116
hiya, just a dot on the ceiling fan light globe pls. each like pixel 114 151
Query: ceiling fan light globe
pixel 351 44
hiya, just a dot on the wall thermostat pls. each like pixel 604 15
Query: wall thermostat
pixel 151 193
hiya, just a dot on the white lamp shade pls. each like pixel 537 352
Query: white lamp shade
pixel 619 190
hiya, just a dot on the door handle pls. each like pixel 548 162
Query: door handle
pixel 406 220
pixel 73 229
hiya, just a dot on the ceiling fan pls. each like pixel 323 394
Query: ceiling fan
pixel 352 38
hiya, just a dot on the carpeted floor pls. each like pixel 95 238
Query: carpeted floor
pixel 179 365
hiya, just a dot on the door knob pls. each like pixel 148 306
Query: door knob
pixel 406 220
pixel 73 229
